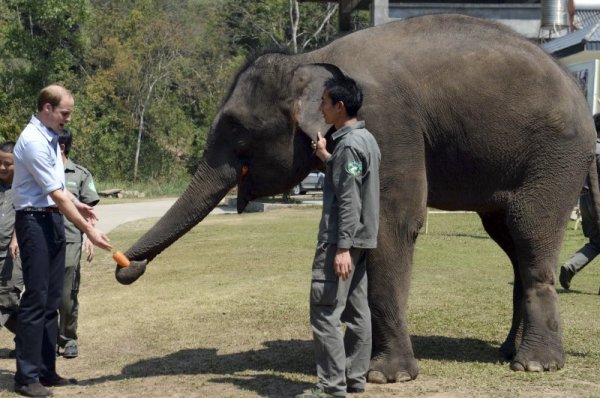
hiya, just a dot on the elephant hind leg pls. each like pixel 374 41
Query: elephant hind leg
pixel 495 225
pixel 537 231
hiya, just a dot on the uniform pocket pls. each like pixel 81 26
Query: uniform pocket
pixel 324 284
pixel 323 292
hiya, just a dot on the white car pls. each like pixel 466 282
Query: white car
pixel 312 182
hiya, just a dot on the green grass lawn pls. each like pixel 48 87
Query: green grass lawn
pixel 224 313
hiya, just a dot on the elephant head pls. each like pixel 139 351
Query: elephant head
pixel 258 141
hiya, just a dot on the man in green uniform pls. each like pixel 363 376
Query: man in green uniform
pixel 11 277
pixel 80 183
pixel 348 229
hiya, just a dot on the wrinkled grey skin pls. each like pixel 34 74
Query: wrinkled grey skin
pixel 468 115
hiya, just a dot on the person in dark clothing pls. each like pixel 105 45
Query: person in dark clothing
pixel 41 200
pixel 591 249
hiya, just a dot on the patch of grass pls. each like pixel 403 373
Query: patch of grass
pixel 224 313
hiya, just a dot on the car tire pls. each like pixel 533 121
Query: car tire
pixel 296 190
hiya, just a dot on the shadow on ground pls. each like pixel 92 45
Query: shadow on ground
pixel 293 356
pixel 285 357
pixel 443 348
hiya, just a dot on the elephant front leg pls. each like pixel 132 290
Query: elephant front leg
pixel 389 281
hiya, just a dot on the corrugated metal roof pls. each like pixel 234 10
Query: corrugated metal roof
pixel 588 17
pixel 589 33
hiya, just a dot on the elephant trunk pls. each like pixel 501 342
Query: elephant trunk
pixel 208 186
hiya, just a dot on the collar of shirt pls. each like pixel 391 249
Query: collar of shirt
pixel 48 134
pixel 69 165
pixel 346 129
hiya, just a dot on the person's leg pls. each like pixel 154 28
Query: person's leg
pixel 55 233
pixel 590 250
pixel 11 286
pixel 357 316
pixel 327 302
pixel 69 307
pixel 31 314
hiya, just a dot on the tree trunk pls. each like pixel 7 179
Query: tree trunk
pixel 294 21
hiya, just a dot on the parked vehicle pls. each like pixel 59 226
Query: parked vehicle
pixel 312 182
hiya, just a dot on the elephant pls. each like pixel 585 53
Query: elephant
pixel 469 116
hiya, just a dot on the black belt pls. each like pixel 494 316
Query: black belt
pixel 41 209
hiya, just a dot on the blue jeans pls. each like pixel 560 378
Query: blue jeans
pixel 41 238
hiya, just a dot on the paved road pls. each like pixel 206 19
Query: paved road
pixel 116 214
pixel 113 215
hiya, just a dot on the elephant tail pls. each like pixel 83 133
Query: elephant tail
pixel 594 185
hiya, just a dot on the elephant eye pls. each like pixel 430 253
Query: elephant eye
pixel 239 137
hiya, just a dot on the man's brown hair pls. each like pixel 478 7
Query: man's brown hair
pixel 52 95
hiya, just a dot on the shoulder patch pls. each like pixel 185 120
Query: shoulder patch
pixel 354 167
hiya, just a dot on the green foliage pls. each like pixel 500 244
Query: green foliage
pixel 148 76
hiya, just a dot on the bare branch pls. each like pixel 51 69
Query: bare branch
pixel 331 10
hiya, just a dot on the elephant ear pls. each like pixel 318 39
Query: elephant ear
pixel 307 87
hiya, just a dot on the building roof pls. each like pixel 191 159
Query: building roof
pixel 586 38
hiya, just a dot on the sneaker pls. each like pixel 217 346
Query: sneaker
pixel 57 381
pixel 70 351
pixel 314 392
pixel 32 390
pixel 565 277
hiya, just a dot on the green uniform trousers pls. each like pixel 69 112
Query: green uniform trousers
pixel 69 306
pixel 342 358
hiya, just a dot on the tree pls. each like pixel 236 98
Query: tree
pixel 43 42
pixel 281 23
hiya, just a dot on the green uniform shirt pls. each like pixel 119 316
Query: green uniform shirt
pixel 7 218
pixel 81 184
pixel 350 215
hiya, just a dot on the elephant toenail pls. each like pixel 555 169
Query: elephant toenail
pixel 402 377
pixel 517 366
pixel 376 377
pixel 535 366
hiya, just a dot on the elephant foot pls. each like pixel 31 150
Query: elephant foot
pixel 128 275
pixel 540 361
pixel 392 371
pixel 377 377
pixel 533 366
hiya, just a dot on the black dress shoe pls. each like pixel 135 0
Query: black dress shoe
pixel 57 381
pixel 355 390
pixel 565 277
pixel 32 390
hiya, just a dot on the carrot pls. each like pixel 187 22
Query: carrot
pixel 121 259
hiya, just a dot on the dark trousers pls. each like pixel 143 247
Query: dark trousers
pixel 41 238
pixel 590 250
